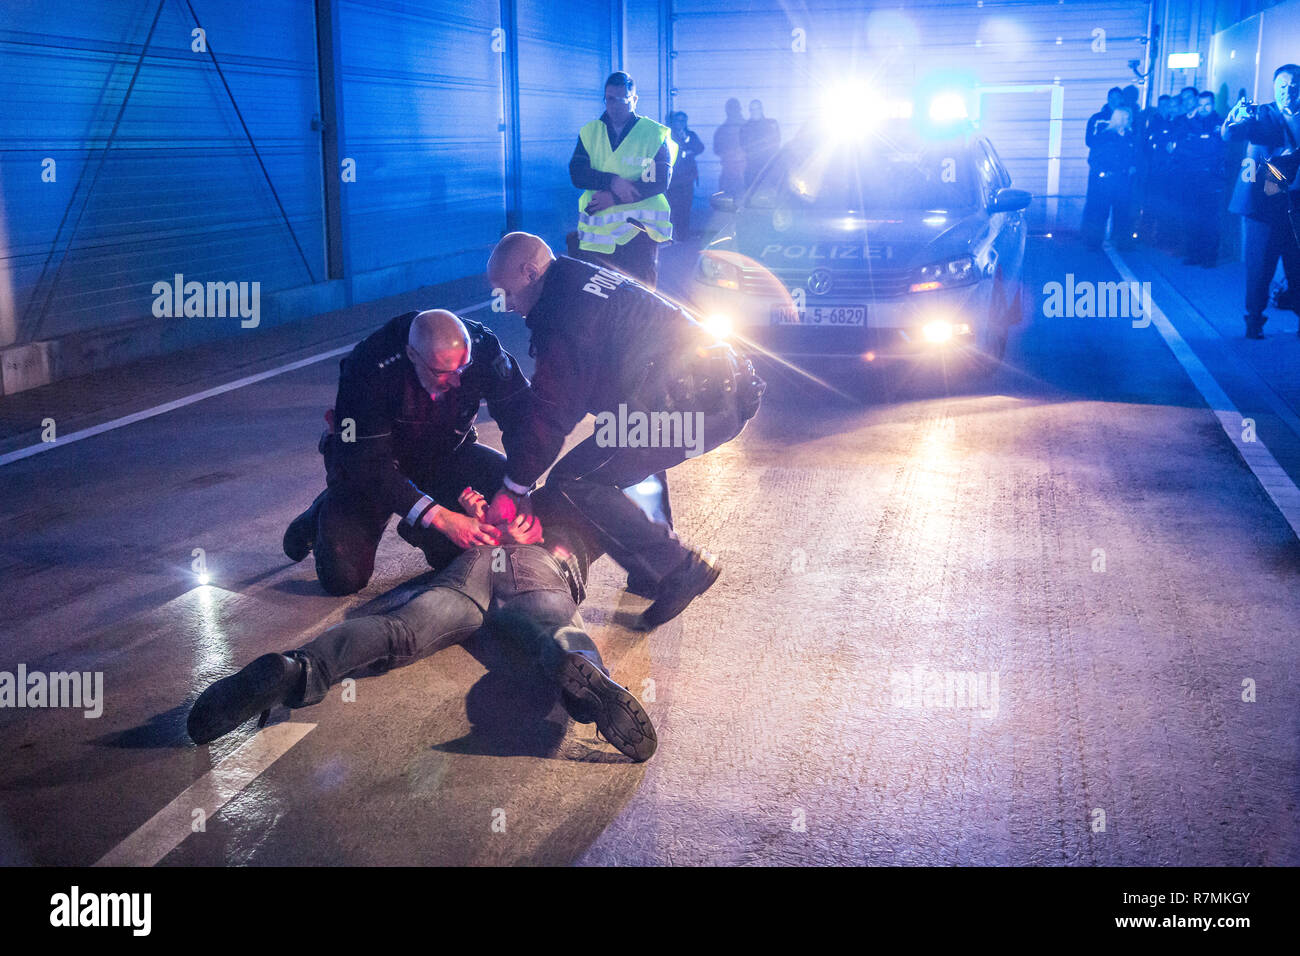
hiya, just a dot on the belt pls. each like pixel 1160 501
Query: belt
pixel 715 374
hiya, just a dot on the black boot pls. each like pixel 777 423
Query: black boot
pixel 300 536
pixel 695 576
pixel 642 585
pixel 1254 327
pixel 270 680
pixel 591 696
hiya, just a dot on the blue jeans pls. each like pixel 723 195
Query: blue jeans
pixel 517 591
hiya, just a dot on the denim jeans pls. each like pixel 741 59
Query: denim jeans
pixel 350 523
pixel 517 591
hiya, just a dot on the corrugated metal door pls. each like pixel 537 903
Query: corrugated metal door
pixel 166 183
pixel 422 105
pixel 565 51
pixel 1014 53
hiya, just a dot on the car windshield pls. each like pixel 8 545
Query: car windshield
pixel 869 175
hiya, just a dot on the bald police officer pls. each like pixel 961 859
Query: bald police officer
pixel 402 442
pixel 607 345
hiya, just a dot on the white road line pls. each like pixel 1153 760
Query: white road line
pixel 167 828
pixel 1274 479
pixel 134 417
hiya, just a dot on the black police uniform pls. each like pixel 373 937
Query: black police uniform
pixel 1269 232
pixel 1159 223
pixel 410 452
pixel 1095 124
pixel 1199 152
pixel 1110 187
pixel 603 341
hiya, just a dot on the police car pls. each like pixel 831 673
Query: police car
pixel 905 241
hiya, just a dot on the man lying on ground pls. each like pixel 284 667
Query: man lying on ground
pixel 525 589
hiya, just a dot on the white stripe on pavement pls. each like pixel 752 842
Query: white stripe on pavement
pixel 167 828
pixel 134 417
pixel 1274 479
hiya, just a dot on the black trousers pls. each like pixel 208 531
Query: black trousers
pixel 590 480
pixel 1109 197
pixel 517 591
pixel 350 522
pixel 638 258
pixel 1262 245
pixel 681 196
pixel 1204 218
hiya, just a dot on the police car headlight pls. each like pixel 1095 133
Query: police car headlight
pixel 718 325
pixel 715 271
pixel 944 275
pixel 938 331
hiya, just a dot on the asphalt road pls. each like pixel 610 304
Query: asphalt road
pixel 1079 537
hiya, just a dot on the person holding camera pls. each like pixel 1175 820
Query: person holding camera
pixel 1265 192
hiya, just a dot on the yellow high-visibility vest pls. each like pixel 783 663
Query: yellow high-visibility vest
pixel 633 160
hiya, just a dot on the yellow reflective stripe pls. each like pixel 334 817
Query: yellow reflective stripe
pixel 633 211
pixel 614 233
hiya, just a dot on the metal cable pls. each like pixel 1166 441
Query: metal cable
pixel 284 215
pixel 40 319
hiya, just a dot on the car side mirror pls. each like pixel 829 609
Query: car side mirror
pixel 1010 200
pixel 723 202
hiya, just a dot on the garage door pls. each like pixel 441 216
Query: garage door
pixel 1032 72
pixel 565 49
pixel 126 162
pixel 422 106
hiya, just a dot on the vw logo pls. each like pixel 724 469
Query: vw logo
pixel 819 283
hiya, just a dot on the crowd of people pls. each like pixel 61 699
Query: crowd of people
pixel 744 147
pixel 1157 174
pixel 1161 176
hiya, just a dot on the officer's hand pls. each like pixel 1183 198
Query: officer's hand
pixel 601 201
pixel 525 529
pixel 624 190
pixel 462 530
pixel 1237 113
pixel 475 505
pixel 505 507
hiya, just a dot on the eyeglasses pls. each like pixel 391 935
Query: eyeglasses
pixel 439 371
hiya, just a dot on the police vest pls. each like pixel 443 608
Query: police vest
pixel 606 230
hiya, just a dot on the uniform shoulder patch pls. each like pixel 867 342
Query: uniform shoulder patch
pixel 503 366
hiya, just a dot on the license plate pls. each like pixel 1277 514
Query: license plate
pixel 821 315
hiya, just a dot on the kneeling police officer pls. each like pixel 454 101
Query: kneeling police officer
pixel 606 345
pixel 402 442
